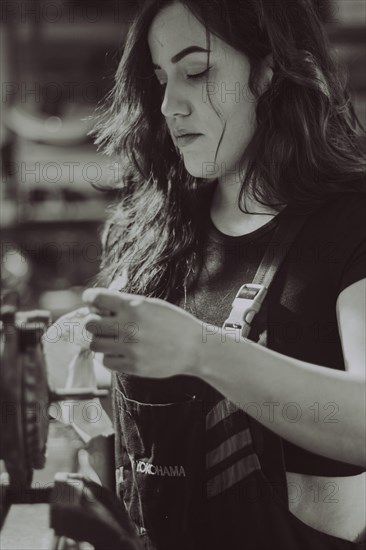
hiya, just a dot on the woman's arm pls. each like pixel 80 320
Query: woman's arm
pixel 315 407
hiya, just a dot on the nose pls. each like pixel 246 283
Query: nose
pixel 174 102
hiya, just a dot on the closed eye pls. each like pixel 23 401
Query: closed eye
pixel 197 76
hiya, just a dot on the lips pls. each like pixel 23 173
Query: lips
pixel 187 139
pixel 181 132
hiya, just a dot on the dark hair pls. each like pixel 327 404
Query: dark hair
pixel 306 149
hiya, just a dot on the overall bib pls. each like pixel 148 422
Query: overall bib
pixel 198 476
pixel 198 473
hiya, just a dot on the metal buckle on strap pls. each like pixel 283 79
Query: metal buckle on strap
pixel 246 304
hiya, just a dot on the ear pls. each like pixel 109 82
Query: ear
pixel 266 72
pixel 268 69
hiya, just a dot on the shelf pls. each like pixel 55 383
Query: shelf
pixel 98 34
pixel 55 211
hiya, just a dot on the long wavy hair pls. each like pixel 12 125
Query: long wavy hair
pixel 306 149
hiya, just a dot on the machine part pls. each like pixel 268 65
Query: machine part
pixel 85 511
pixel 35 417
pixel 25 395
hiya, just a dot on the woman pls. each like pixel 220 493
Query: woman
pixel 275 136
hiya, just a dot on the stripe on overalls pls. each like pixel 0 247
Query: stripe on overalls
pixel 230 446
pixel 220 411
pixel 244 466
pixel 232 475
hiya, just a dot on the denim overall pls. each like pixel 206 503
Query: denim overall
pixel 201 474
pixel 195 475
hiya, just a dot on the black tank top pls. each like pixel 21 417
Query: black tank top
pixel 301 303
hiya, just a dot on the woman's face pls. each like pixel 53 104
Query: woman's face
pixel 186 106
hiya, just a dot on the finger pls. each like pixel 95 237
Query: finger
pixel 111 300
pixel 104 327
pixel 103 299
pixel 74 319
pixel 112 346
pixel 117 328
pixel 133 300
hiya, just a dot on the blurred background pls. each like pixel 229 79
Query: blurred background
pixel 57 62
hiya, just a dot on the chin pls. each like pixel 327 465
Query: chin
pixel 203 170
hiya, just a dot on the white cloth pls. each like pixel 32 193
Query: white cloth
pixel 72 366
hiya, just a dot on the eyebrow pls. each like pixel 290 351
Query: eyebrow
pixel 177 57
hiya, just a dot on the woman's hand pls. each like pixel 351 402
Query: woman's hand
pixel 143 336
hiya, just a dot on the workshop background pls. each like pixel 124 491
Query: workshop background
pixel 57 62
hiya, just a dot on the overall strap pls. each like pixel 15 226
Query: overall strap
pixel 250 296
pixel 248 303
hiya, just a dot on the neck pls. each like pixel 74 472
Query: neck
pixel 227 216
pixel 226 196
